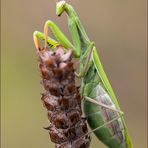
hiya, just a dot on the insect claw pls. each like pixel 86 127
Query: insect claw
pixel 36 42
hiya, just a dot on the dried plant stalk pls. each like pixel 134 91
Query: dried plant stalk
pixel 62 100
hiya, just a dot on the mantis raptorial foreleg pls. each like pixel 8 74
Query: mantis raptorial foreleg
pixel 61 38
pixel 39 35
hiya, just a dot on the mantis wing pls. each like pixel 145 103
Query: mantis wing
pixel 109 89
pixel 103 76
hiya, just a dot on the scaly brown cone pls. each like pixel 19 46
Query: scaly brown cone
pixel 62 100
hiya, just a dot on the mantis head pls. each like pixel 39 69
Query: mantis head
pixel 60 7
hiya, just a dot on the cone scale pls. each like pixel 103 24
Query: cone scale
pixel 62 99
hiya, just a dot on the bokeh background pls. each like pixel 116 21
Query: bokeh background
pixel 118 28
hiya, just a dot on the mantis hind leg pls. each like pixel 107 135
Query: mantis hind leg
pixel 103 105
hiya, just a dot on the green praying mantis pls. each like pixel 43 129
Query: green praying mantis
pixel 100 104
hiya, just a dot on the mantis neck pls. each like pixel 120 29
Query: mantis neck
pixel 70 11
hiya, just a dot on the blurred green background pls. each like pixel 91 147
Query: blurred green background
pixel 118 28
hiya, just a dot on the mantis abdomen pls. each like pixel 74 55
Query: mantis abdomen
pixel 111 132
pixel 105 121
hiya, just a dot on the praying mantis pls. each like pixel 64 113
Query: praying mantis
pixel 100 104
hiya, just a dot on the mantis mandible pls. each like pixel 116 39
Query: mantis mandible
pixel 100 103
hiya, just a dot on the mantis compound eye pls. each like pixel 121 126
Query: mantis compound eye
pixel 60 7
